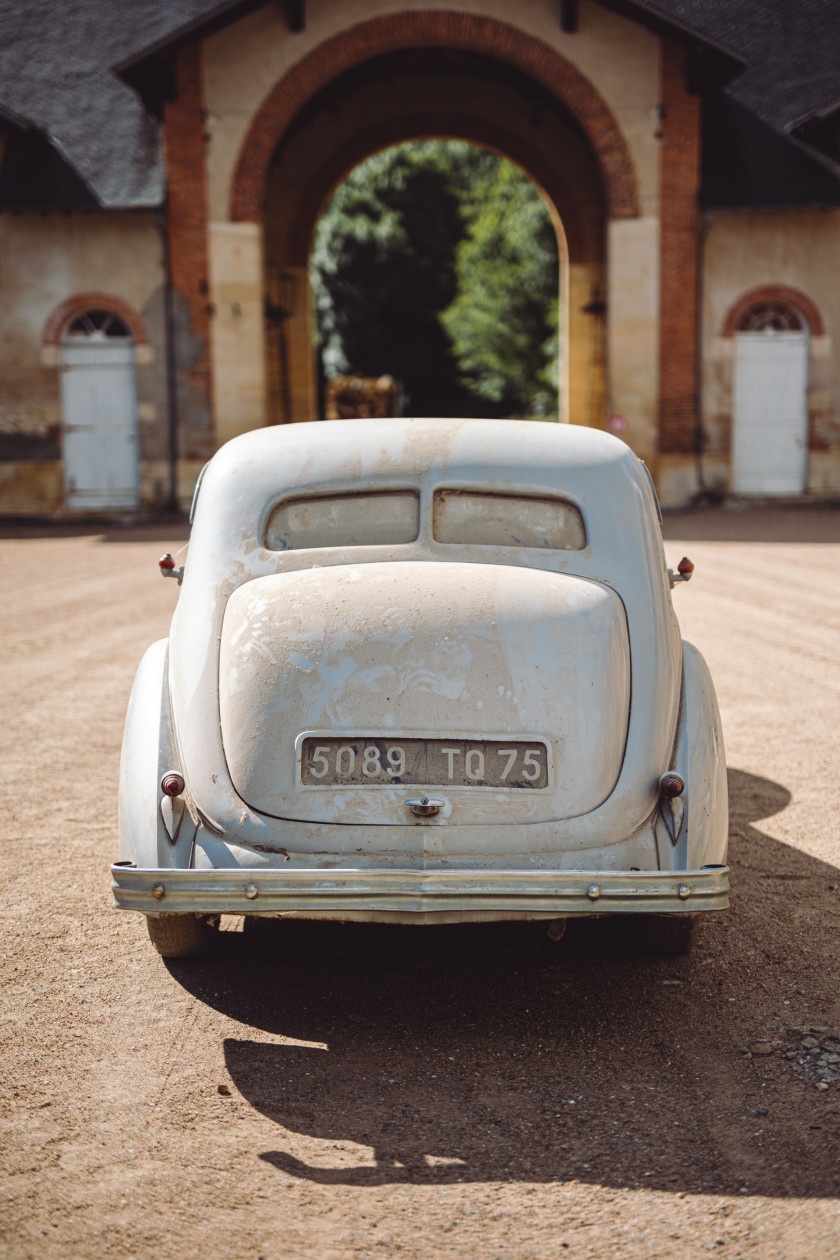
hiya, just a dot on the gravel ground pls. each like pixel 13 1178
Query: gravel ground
pixel 328 1091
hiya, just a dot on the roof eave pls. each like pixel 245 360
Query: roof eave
pixel 215 19
pixel 731 62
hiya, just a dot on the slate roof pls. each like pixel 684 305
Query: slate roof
pixel 57 59
pixel 791 47
pixel 55 73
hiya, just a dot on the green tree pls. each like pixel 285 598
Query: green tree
pixel 384 269
pixel 436 262
pixel 504 320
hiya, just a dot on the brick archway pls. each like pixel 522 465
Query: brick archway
pixel 81 302
pixel 774 293
pixel 415 94
pixel 444 30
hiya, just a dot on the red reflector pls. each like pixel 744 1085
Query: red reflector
pixel 671 785
pixel 172 784
pixel 166 562
pixel 685 566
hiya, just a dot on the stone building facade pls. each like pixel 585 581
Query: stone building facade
pixel 154 258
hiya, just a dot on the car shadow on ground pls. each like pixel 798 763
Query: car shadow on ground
pixel 491 1053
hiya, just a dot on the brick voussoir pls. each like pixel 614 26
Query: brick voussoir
pixel 442 29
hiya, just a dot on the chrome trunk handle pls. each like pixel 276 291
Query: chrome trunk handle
pixel 425 806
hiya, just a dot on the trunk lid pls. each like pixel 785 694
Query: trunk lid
pixel 424 671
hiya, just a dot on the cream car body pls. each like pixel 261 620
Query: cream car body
pixel 375 614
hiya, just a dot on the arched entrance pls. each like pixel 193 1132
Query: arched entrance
pixel 416 76
pixel 415 94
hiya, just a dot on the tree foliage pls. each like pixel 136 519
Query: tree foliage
pixel 436 262
pixel 504 319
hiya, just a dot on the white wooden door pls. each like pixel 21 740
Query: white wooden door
pixel 770 413
pixel 99 411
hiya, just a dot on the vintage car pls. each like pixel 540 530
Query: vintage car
pixel 423 671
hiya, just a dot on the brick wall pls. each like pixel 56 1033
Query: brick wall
pixel 187 223
pixel 679 228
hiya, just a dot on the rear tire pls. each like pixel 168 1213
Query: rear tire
pixel 179 935
pixel 668 935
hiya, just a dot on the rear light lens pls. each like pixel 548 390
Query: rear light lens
pixel 172 784
pixel 671 785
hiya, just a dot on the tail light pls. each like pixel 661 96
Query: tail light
pixel 671 785
pixel 172 784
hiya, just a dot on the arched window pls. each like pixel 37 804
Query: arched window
pixel 98 325
pixel 773 308
pixel 771 317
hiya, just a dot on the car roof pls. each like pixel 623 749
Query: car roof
pixel 251 474
pixel 514 454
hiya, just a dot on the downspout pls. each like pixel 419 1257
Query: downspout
pixel 699 436
pixel 171 360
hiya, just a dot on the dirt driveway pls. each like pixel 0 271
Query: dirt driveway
pixel 329 1091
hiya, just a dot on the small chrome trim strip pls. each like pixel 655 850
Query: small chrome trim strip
pixel 234 890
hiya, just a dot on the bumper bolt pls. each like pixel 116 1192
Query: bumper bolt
pixel 593 892
pixel 158 891
pixel 251 892
pixel 683 892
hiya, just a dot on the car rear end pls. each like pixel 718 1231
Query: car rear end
pixel 443 689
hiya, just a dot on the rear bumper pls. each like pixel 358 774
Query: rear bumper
pixel 410 895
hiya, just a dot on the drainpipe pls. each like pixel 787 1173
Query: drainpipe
pixel 705 225
pixel 171 360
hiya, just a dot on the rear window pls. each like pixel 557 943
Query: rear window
pixel 344 520
pixel 507 520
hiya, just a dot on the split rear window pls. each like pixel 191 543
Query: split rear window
pixel 390 517
pixel 507 520
pixel 345 520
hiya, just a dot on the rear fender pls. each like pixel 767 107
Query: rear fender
pixel 148 752
pixel 700 819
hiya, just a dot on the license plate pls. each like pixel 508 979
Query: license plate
pixel 374 761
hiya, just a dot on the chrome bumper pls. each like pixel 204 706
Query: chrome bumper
pixel 238 890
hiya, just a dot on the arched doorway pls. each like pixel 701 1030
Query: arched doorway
pixel 99 412
pixel 419 76
pixel 416 94
pixel 770 395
